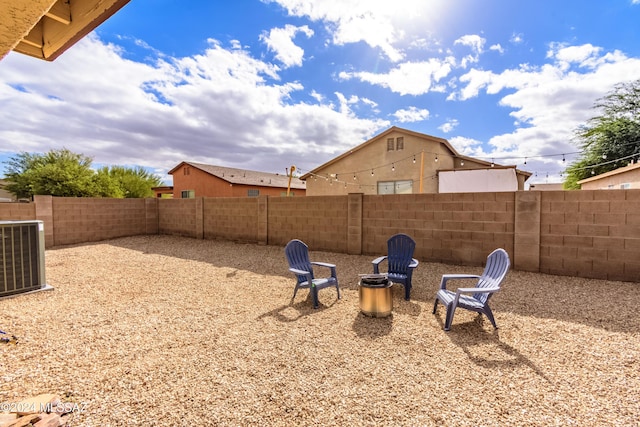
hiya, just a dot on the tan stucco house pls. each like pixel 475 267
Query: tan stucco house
pixel 46 28
pixel 201 180
pixel 403 161
pixel 621 178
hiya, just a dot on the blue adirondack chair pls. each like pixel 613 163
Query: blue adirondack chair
pixel 400 261
pixel 486 285
pixel 297 253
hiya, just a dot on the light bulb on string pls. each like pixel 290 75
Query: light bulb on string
pixel 371 172
pixel 354 176
pixel 492 163
pixel 414 158
pixel 393 167
pixel 461 162
pixel 436 159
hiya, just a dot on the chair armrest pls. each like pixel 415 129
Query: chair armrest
pixel 447 277
pixel 299 272
pixel 376 264
pixel 471 290
pixel 328 265
pixel 477 290
pixel 379 260
pixel 324 264
pixel 414 263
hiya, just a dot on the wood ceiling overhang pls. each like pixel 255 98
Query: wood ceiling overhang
pixel 59 26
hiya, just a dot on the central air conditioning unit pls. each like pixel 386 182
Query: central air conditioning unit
pixel 21 257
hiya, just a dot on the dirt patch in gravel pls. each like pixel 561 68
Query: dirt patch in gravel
pixel 162 330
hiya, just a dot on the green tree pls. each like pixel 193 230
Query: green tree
pixel 66 174
pixel 130 183
pixel 58 173
pixel 611 139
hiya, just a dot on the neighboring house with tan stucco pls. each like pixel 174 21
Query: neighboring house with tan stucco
pixel 403 161
pixel 622 178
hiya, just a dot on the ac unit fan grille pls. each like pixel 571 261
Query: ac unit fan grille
pixel 21 263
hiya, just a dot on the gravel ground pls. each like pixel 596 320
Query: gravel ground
pixel 171 331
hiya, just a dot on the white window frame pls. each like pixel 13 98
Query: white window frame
pixel 395 187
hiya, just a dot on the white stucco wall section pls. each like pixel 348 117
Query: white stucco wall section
pixel 477 181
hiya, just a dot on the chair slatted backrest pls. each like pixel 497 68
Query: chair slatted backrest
pixel 400 253
pixel 496 269
pixel 297 253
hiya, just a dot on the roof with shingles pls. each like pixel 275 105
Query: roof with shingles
pixel 246 177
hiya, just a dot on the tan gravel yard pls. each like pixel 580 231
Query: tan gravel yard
pixel 171 331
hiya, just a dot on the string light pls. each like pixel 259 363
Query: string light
pixel 393 167
pixel 413 158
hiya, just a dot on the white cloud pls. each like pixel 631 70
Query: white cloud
pixel 411 114
pixel 516 38
pixel 280 41
pixel 497 47
pixel 317 96
pixel 449 126
pixel 476 43
pixel 548 102
pixel 379 24
pixel 408 78
pixel 221 107
pixel 467 146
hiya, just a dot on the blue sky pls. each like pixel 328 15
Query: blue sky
pixel 264 85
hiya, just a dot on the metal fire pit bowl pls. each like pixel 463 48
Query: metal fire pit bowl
pixel 375 295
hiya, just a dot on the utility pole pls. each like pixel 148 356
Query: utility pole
pixel 421 170
pixel 293 168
